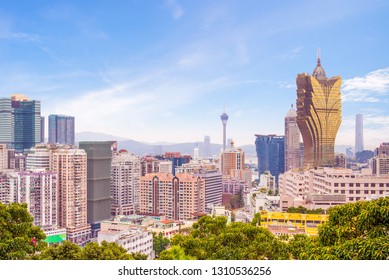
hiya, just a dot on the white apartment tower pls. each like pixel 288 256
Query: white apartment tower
pixel 125 182
pixel 3 157
pixel 359 133
pixel 70 166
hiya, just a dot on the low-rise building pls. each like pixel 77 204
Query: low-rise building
pixel 133 238
pixel 339 182
pixel 308 222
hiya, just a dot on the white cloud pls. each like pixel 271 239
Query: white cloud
pixel 175 8
pixel 286 84
pixel 290 54
pixel 370 88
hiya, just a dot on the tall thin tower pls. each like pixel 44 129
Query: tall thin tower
pixel 359 133
pixel 292 141
pixel 224 118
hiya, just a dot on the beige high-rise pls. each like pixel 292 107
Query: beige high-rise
pixel 292 141
pixel 179 197
pixel 319 114
pixel 70 165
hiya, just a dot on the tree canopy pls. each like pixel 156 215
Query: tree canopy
pixel 19 238
pixel 213 239
pixel 354 231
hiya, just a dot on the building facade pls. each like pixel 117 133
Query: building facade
pixel 319 116
pixel 231 159
pixel 99 157
pixel 271 154
pixel 133 238
pixel 125 184
pixel 380 165
pixel 20 122
pixel 359 147
pixel 37 189
pixel 354 186
pixel 212 180
pixel 292 141
pixel 180 197
pixel 71 167
pixel 61 129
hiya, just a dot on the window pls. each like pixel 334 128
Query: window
pixel 366 192
pixel 342 184
pixel 351 192
pixel 366 185
pixel 358 184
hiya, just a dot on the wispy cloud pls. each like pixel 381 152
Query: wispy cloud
pixel 175 8
pixel 290 54
pixel 286 84
pixel 369 88
pixel 21 36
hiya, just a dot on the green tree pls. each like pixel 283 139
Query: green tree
pixel 256 221
pixel 160 243
pixel 64 251
pixel 175 253
pixel 354 231
pixel 105 251
pixel 211 238
pixel 92 251
pixel 19 238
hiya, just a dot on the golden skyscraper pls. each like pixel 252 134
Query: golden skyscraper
pixel 319 114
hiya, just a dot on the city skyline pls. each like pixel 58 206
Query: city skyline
pixel 142 70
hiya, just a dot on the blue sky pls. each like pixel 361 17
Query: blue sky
pixel 162 70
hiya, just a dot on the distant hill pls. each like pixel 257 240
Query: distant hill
pixel 96 136
pixel 141 148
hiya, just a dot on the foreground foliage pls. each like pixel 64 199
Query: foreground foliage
pixel 354 231
pixel 19 238
pixel 91 251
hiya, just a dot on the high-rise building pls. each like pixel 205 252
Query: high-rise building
pixel 180 197
pixel 70 166
pixel 212 180
pixel 42 129
pixel 61 129
pixel 271 154
pixel 99 155
pixel 38 190
pixel 20 122
pixel 125 181
pixel 292 141
pixel 38 158
pixel 176 158
pixel 224 118
pixel 383 149
pixel 319 109
pixel 6 122
pixel 3 157
pixel 359 133
pixel 380 165
pixel 207 147
pixel 231 159
pixel 149 164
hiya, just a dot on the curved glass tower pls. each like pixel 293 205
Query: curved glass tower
pixel 319 114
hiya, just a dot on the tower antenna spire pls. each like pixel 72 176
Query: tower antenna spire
pixel 318 56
